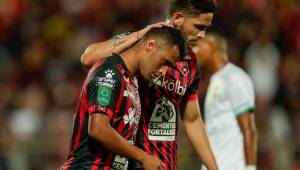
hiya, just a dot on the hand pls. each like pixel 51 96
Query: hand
pixel 152 163
pixel 143 32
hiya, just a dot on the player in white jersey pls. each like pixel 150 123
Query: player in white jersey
pixel 229 107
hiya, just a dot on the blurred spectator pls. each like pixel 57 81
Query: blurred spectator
pixel 41 42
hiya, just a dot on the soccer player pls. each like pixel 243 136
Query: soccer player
pixel 108 111
pixel 229 107
pixel 173 93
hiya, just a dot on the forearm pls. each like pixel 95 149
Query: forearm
pixel 196 134
pixel 250 147
pixel 98 51
pixel 108 137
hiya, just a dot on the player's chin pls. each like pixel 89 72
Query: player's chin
pixel 147 77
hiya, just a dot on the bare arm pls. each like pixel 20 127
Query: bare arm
pixel 247 125
pixel 196 133
pixel 100 129
pixel 100 50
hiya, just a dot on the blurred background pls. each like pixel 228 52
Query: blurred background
pixel 41 42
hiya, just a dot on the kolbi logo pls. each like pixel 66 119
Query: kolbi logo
pixel 171 85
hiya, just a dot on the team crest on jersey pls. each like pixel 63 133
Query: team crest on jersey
pixel 184 68
pixel 187 57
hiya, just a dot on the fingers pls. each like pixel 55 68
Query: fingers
pixel 142 32
pixel 160 24
pixel 161 166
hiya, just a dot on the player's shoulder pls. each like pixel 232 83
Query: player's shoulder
pixel 240 73
pixel 235 75
pixel 112 63
pixel 107 69
pixel 103 67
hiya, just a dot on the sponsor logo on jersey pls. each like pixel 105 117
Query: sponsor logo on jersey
pixel 120 163
pixel 107 81
pixel 171 85
pixel 103 81
pixel 162 124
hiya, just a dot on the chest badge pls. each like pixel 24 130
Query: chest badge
pixel 184 68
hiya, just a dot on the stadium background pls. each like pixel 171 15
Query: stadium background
pixel 41 42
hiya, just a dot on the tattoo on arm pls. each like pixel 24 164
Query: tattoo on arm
pixel 116 44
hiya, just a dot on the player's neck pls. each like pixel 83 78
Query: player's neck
pixel 130 59
pixel 217 64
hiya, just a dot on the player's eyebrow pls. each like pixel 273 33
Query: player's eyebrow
pixel 201 26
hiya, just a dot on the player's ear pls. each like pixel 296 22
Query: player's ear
pixel 177 19
pixel 151 44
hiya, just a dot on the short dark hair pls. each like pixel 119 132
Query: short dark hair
pixel 172 36
pixel 193 6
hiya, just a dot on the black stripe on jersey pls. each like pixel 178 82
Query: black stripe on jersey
pixel 82 151
pixel 75 129
pixel 161 156
pixel 168 155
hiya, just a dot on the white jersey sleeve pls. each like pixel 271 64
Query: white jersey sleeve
pixel 241 94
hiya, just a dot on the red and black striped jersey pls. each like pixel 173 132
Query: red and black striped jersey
pixel 109 89
pixel 161 103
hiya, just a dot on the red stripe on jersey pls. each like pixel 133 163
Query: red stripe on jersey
pixel 156 149
pixel 81 120
pixel 92 109
pixel 174 160
pixel 108 161
pixel 120 99
pixel 146 143
pixel 193 97
pixel 68 163
pixel 100 109
pixel 95 166
pixel 127 106
pixel 110 112
pixel 165 153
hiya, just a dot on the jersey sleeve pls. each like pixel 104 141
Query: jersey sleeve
pixel 241 97
pixel 192 91
pixel 103 90
pixel 122 35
